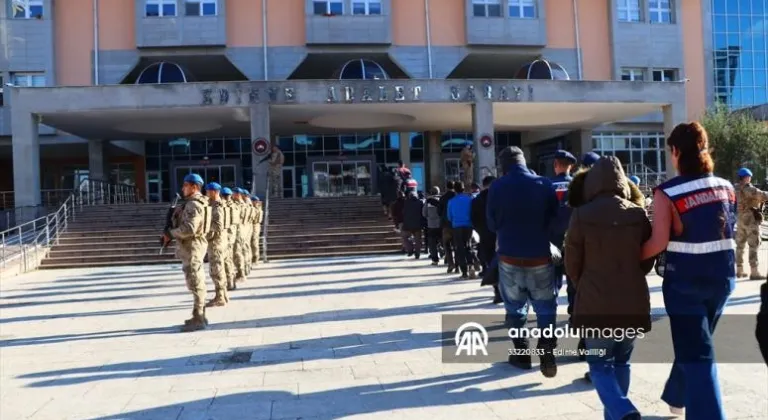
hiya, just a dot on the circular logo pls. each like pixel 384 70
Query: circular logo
pixel 486 141
pixel 260 146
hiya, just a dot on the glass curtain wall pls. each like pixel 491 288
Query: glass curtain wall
pixel 740 49
pixel 641 154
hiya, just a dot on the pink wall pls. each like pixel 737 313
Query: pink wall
pixel 244 23
pixel 285 24
pixel 595 38
pixel 560 32
pixel 408 23
pixel 447 22
pixel 117 27
pixel 693 53
pixel 73 27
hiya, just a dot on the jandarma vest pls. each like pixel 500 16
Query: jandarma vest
pixel 706 206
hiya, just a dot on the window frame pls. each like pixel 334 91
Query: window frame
pixel 627 6
pixel 367 6
pixel 633 73
pixel 200 7
pixel 646 137
pixel 328 7
pixel 29 77
pixel 519 6
pixel 26 6
pixel 160 11
pixel 486 4
pixel 2 91
pixel 662 71
pixel 657 11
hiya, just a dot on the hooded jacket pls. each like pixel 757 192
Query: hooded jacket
pixel 412 212
pixel 431 212
pixel 602 250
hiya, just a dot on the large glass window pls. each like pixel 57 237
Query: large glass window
pixel 740 58
pixel 632 75
pixel 660 11
pixel 664 75
pixel 486 8
pixel 641 154
pixel 160 8
pixel 200 8
pixel 628 10
pixel 522 9
pixel 28 79
pixel 27 9
pixel 366 7
pixel 328 7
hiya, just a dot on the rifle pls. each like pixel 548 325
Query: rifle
pixel 166 238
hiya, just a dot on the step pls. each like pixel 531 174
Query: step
pixel 329 254
pixel 107 249
pixel 99 227
pixel 303 235
pixel 340 248
pixel 102 239
pixel 57 266
pixel 294 228
pixel 326 243
pixel 87 233
pixel 114 259
pixel 90 246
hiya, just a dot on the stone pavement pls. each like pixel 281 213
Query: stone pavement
pixel 333 339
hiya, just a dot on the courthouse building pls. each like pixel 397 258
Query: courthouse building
pixel 144 91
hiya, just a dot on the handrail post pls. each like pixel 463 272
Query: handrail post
pixel 47 230
pixel 21 249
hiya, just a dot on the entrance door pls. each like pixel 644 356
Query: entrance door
pixel 337 179
pixel 453 171
pixel 154 187
pixel 289 182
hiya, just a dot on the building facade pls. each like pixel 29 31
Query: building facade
pixel 144 91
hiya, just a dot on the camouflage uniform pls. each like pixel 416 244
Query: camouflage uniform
pixel 247 229
pixel 218 245
pixel 748 229
pixel 258 219
pixel 468 165
pixel 276 161
pixel 239 257
pixel 190 230
pixel 229 264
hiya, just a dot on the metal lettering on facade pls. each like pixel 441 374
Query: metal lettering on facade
pixel 382 94
pixel 505 93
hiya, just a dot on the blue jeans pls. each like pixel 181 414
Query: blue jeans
pixel 610 375
pixel 520 285
pixel 694 306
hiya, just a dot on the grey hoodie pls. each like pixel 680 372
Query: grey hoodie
pixel 431 212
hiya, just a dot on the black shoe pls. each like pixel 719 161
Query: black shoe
pixel 588 377
pixel 418 256
pixel 547 363
pixel 497 300
pixel 520 361
pixel 632 416
pixel 464 276
pixel 410 254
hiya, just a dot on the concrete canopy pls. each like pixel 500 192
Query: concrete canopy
pixel 326 106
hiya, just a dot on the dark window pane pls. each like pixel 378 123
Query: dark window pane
pixel 319 7
pixel 649 159
pixel 36 11
pixel 232 146
pixel 152 148
pixel 169 9
pixel 374 9
pixel 209 9
pixel 352 70
pixel 171 73
pixel 337 8
pixel 494 10
pixel 214 147
pixel 152 10
pixel 331 143
pixel 478 10
pixel 623 156
pixel 192 9
pixel 358 8
pixel 529 12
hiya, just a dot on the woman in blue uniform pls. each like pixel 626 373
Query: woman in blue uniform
pixel 694 217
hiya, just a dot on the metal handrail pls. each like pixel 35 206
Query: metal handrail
pixel 267 199
pixel 24 242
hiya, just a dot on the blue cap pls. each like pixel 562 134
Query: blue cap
pixel 635 179
pixel 565 155
pixel 255 198
pixel 194 179
pixel 590 159
pixel 744 172
pixel 226 191
pixel 213 186
pixel 243 191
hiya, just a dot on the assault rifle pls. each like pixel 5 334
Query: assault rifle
pixel 166 239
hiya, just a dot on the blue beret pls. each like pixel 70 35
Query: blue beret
pixel 566 155
pixel 213 186
pixel 226 191
pixel 744 172
pixel 590 159
pixel 635 179
pixel 194 179
pixel 243 191
pixel 255 198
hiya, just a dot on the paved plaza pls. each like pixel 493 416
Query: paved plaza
pixel 312 340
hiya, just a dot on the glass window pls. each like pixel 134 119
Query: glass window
pixel 159 8
pixel 366 7
pixel 664 75
pixel 633 75
pixel 200 7
pixel 486 8
pixel 328 7
pixel 522 9
pixel 2 84
pixel 637 151
pixel 28 79
pixel 660 11
pixel 628 10
pixel 27 9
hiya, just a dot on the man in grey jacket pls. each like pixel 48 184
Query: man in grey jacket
pixel 431 212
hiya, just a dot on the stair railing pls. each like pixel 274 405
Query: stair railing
pixel 23 247
pixel 265 228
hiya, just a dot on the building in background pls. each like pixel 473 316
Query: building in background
pixel 144 91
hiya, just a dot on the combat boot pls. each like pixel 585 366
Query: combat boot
pixel 240 280
pixel 755 275
pixel 197 323
pixel 740 273
pixel 218 300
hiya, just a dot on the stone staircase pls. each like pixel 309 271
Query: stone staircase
pixel 299 228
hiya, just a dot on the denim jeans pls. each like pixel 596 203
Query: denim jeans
pixel 610 375
pixel 521 285
pixel 694 306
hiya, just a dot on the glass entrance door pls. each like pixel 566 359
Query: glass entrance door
pixel 289 182
pixel 453 171
pixel 337 179
pixel 154 187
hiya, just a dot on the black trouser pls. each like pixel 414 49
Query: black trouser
pixel 486 249
pixel 448 245
pixel 570 289
pixel 434 236
pixel 464 256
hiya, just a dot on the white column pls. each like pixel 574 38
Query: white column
pixel 482 125
pixel 26 161
pixel 259 129
pixel 98 167
pixel 673 115
pixel 405 148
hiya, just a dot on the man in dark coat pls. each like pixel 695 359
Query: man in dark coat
pixel 487 247
pixel 412 224
pixel 387 189
pixel 447 229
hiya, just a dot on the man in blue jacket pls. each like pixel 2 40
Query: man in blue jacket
pixel 521 208
pixel 459 214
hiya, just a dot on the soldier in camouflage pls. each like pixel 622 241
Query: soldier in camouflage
pixel 276 161
pixel 247 215
pixel 749 201
pixel 468 165
pixel 239 248
pixel 190 230
pixel 258 219
pixel 229 264
pixel 218 244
